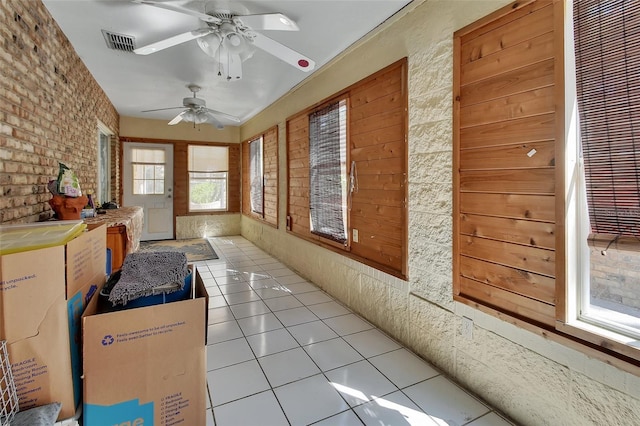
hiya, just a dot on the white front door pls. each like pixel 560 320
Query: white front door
pixel 147 179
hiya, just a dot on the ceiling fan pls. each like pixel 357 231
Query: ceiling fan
pixel 230 38
pixel 196 111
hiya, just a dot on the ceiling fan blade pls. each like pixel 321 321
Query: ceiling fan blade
pixel 222 114
pixel 177 118
pixel 162 109
pixel 181 9
pixel 213 120
pixel 269 21
pixel 172 41
pixel 282 52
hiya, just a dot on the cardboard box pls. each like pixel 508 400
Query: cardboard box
pixel 41 302
pixel 146 365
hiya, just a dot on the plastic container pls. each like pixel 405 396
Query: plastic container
pixel 34 236
pixel 159 298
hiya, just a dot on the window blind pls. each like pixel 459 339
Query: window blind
pixel 607 48
pixel 327 168
pixel 255 175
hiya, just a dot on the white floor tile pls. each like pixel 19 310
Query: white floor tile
pixel 244 310
pixel 346 418
pixel 328 310
pixel 314 297
pixel 260 409
pixel 360 382
pixel 312 332
pixel 221 314
pixel 272 292
pixel 348 324
pixel 299 288
pixel 371 343
pixel 217 302
pixel 403 368
pixel 282 272
pixel 259 324
pixel 235 288
pixel 227 271
pixel 256 276
pixel 445 401
pixel 241 297
pixel 491 419
pixel 282 303
pixel 393 409
pixel 288 366
pixel 309 400
pixel 332 354
pixel 210 421
pixel 295 316
pixel 235 382
pixel 266 283
pixel 223 331
pixel 227 353
pixel 272 266
pixel 291 279
pixel 271 342
pixel 214 290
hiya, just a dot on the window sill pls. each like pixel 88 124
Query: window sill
pixel 605 339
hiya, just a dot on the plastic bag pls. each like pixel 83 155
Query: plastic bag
pixel 68 183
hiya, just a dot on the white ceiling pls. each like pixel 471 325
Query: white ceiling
pixel 135 83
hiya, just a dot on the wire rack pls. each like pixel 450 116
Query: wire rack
pixel 8 396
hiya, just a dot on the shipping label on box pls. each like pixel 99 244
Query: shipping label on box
pixel 146 366
pixel 40 318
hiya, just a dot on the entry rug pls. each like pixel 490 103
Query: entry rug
pixel 196 249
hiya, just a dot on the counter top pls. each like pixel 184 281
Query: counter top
pixel 131 217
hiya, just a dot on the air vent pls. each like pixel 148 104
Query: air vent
pixel 121 42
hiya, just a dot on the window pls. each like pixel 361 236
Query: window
pixel 148 171
pixel 256 177
pixel 260 177
pixel 103 189
pixel 347 171
pixel 208 177
pixel 328 171
pixel 607 157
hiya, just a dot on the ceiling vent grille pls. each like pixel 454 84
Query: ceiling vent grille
pixel 120 42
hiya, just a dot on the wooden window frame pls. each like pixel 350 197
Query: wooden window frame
pixel 582 337
pixel 270 177
pixel 367 202
pixel 226 180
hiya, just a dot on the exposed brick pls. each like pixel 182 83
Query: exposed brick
pixel 43 120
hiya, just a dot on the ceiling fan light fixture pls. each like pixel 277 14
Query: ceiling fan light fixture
pixel 201 117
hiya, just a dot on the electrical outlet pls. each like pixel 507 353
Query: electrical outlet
pixel 467 328
pixel 355 236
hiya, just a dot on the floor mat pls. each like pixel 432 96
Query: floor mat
pixel 196 249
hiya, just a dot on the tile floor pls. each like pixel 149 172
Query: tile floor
pixel 282 352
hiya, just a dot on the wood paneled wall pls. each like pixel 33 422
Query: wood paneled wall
pixel 270 173
pixel 505 147
pixel 377 142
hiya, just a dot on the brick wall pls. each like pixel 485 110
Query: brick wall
pixel 615 279
pixel 50 105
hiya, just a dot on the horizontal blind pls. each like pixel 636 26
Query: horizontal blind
pixel 255 176
pixel 327 157
pixel 607 48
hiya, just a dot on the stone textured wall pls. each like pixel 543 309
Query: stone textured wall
pixel 49 111
pixel 198 226
pixel 533 380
